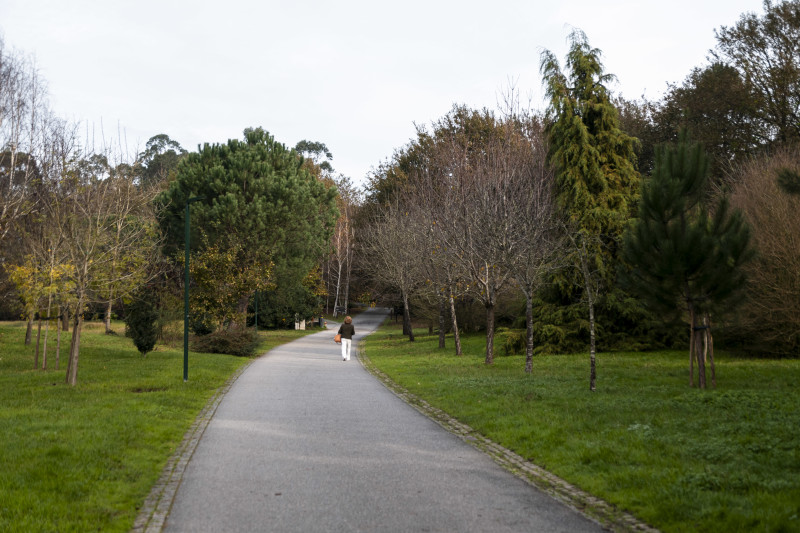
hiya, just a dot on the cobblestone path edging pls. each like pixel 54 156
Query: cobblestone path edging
pixel 154 512
pixel 606 514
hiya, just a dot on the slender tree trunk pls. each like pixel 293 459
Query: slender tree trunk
pixel 58 341
pixel 241 312
pixel 74 347
pixel 456 334
pixel 710 340
pixel 46 331
pixel 338 286
pixel 65 318
pixel 697 338
pixel 38 338
pixel 592 347
pixel 489 333
pixel 107 320
pixel 442 321
pixel 529 331
pixel 691 347
pixel 348 271
pixel 29 330
pixel 407 318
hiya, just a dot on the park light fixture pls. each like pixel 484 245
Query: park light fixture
pixel 186 289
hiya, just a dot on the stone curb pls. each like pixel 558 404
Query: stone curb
pixel 154 512
pixel 606 514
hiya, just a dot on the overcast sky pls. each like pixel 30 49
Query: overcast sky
pixel 353 74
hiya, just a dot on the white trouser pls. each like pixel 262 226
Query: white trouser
pixel 346 349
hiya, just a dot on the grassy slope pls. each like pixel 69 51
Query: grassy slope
pixel 84 458
pixel 679 458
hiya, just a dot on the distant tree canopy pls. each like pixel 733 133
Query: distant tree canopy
pixel 262 216
pixel 766 52
pixel 159 158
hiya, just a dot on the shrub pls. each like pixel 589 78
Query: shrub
pixel 514 342
pixel 141 324
pixel 238 342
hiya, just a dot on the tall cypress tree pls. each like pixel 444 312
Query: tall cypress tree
pixel 683 257
pixel 597 185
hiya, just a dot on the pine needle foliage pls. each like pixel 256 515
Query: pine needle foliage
pixel 683 257
pixel 596 188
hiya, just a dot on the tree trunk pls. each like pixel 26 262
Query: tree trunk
pixel 691 347
pixel 456 335
pixel 29 330
pixel 241 312
pixel 107 320
pixel 592 346
pixel 46 331
pixel 65 319
pixel 710 340
pixel 442 321
pixel 529 331
pixel 698 332
pixel 58 341
pixel 338 286
pixel 407 318
pixel 348 272
pixel 38 338
pixel 489 333
pixel 74 348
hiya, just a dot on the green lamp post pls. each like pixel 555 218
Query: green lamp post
pixel 186 290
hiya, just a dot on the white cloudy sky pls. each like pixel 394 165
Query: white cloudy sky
pixel 354 74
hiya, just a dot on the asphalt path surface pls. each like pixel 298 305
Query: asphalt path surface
pixel 306 442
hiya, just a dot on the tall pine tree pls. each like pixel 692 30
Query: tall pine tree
pixel 682 256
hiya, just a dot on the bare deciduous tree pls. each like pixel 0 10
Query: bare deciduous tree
pixel 770 318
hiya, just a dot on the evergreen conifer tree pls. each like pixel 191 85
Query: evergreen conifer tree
pixel 597 186
pixel 141 319
pixel 682 257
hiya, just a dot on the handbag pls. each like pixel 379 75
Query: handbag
pixel 337 339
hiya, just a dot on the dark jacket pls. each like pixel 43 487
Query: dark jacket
pixel 347 331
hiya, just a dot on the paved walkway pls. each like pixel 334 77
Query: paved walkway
pixel 306 442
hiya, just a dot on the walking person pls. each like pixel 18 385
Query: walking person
pixel 347 330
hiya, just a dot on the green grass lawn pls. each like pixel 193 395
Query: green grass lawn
pixel 84 458
pixel 678 458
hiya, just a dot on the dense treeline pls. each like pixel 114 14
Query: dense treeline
pixel 448 220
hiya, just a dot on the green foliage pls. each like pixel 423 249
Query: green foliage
pixel 261 208
pixel 716 106
pixel 240 342
pixel 159 159
pixel 596 187
pixel 725 461
pixel 682 257
pixel 513 341
pixel 141 322
pixel 594 159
